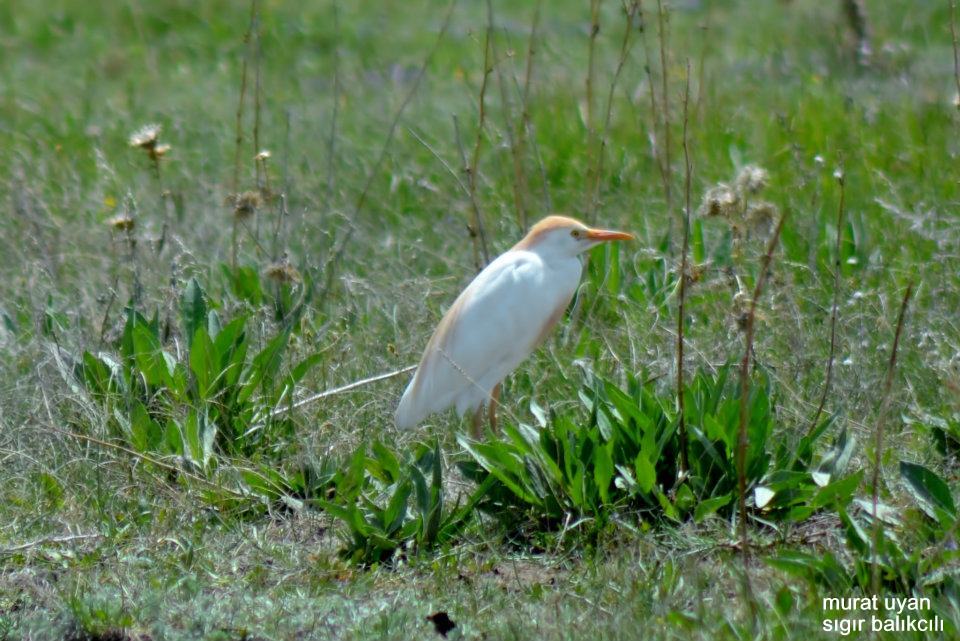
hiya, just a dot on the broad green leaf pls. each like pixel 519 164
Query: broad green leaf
pixel 837 458
pixel 384 464
pixel 263 369
pixel 840 491
pixel 245 283
pixel 145 433
pixel 646 473
pixel 193 310
pixel 150 359
pixel 930 492
pixel 203 363
pixel 708 507
pixel 603 472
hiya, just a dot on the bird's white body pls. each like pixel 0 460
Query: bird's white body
pixel 498 320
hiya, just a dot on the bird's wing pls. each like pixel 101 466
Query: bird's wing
pixel 492 326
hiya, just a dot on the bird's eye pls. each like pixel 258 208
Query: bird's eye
pixel 575 233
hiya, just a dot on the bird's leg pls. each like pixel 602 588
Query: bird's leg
pixel 476 423
pixel 492 409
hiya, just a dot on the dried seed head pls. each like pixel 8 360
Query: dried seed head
pixel 697 272
pixel 159 151
pixel 752 179
pixel 122 222
pixel 719 201
pixel 760 217
pixel 263 155
pixel 741 308
pixel 146 137
pixel 283 272
pixel 246 204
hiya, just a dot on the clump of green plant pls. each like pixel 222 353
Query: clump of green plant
pixel 388 505
pixel 915 548
pixel 625 458
pixel 213 397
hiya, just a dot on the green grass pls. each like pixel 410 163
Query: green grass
pixel 94 538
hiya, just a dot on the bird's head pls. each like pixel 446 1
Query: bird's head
pixel 566 237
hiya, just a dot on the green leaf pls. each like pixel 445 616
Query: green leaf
pixel 203 363
pixel 646 473
pixel 384 465
pixel 603 472
pixel 708 507
pixel 145 433
pixel 840 491
pixel 837 458
pixel 263 369
pixel 396 511
pixel 930 492
pixel 155 365
pixel 193 310
pixel 230 346
pixel 245 283
pixel 499 462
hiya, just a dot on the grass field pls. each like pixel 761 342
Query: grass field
pixel 156 303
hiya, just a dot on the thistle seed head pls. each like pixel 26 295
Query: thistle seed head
pixel 246 204
pixel 720 201
pixel 122 222
pixel 146 137
pixel 752 179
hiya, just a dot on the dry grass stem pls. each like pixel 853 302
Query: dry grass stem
pixel 332 137
pixel 685 248
pixel 833 308
pixel 656 117
pixel 878 440
pixel 475 229
pixel 665 99
pixel 741 453
pixel 238 138
pixel 591 69
pixel 956 50
pixel 282 409
pixel 596 169
pixel 519 181
pixel 329 267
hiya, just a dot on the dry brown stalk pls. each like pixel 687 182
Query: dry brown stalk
pixel 340 246
pixel 833 308
pixel 597 170
pixel 682 425
pixel 878 441
pixel 741 452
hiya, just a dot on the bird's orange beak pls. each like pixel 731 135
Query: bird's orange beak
pixel 600 235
